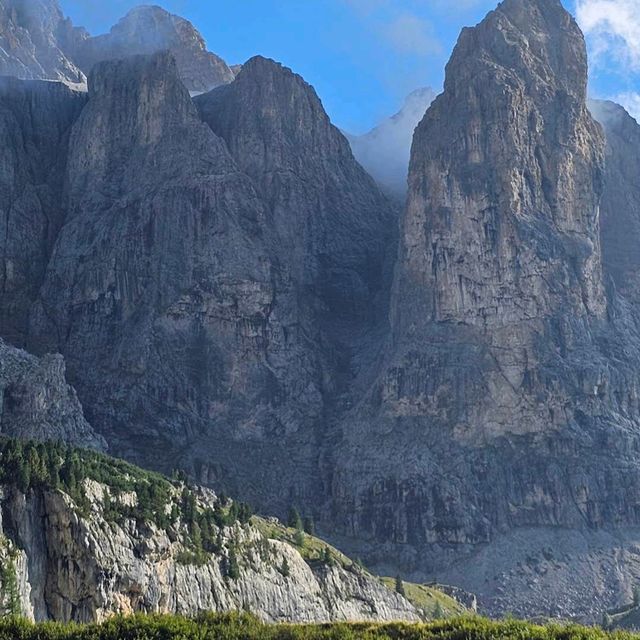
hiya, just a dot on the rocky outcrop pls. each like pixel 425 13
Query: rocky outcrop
pixel 217 295
pixel 87 565
pixel 384 151
pixel 149 29
pixel 36 42
pixel 37 403
pixel 181 327
pixel 332 223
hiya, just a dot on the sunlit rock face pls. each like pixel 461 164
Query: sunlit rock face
pixel 37 42
pixel 506 403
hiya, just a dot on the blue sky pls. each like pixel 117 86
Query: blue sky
pixel 364 56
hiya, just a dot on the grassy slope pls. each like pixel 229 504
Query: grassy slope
pixel 427 599
pixel 243 627
pixel 424 598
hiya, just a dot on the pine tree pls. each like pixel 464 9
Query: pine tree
pixel 438 612
pixel 400 586
pixel 294 520
pixel 326 557
pixel 233 568
pixel 309 526
pixel 284 569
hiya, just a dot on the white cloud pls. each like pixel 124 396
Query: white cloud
pixel 613 27
pixel 631 102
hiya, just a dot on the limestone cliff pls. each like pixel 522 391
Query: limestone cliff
pixel 97 554
pixel 506 406
pixel 35 120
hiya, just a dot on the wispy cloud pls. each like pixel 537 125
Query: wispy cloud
pixel 630 100
pixel 613 27
pixel 401 28
pixel 408 33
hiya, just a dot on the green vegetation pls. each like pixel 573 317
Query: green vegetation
pixel 238 626
pixel 131 493
pixel 434 604
pixel 312 549
pixel 9 595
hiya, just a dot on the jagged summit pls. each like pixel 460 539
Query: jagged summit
pixel 36 41
pixel 149 28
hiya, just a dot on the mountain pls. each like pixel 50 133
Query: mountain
pixel 149 29
pixel 384 151
pixel 216 295
pixel 38 42
pixel 452 395
pixel 83 537
pixel 496 449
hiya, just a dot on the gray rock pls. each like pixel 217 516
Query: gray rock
pixel 35 120
pixel 149 29
pixel 507 396
pixel 85 568
pixel 36 41
pixel 37 403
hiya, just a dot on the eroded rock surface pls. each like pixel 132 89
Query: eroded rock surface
pixel 37 403
pixel 88 567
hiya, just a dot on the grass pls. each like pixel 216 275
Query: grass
pixel 428 598
pixel 245 627
pixel 312 549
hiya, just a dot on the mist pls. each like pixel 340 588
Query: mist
pixel 384 151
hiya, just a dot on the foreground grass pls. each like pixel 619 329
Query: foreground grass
pixel 245 627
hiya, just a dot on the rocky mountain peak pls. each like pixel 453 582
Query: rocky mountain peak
pixel 539 38
pixel 37 42
pixel 269 99
pixel 525 65
pixel 148 29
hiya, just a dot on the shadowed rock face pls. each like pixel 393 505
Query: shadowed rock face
pixel 331 221
pixel 35 121
pixel 37 403
pixel 194 327
pixel 162 290
pixel 149 29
